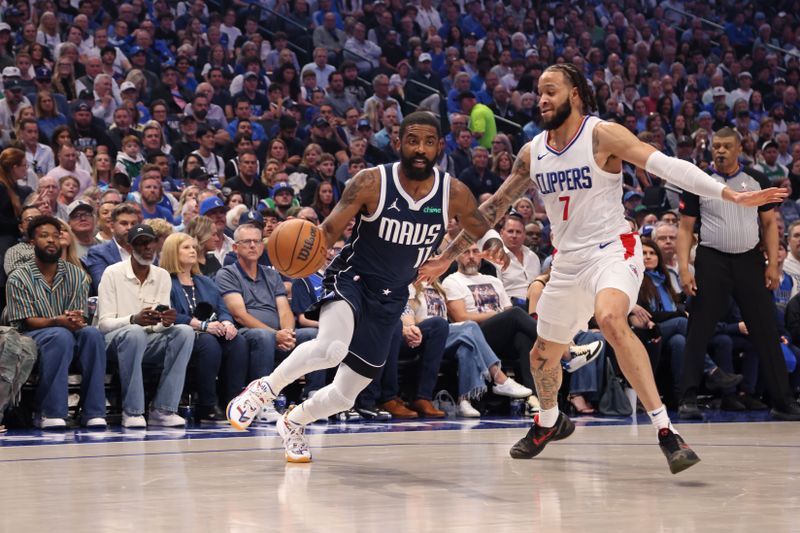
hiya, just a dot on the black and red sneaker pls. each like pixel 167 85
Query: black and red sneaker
pixel 679 455
pixel 537 438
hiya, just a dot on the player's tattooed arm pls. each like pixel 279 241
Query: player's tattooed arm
pixel 360 194
pixel 493 209
pixel 517 183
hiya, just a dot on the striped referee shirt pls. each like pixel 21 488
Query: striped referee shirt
pixel 29 295
pixel 725 226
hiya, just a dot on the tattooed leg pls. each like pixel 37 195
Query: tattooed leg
pixel 546 369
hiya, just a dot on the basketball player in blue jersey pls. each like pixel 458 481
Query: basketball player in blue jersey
pixel 576 164
pixel 401 212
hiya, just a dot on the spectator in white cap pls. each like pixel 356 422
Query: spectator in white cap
pixel 423 82
pixel 744 91
pixel 13 101
pixel 80 217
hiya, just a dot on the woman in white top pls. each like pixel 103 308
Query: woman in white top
pixel 477 363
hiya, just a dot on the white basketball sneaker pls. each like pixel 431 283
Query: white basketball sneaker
pixel 268 414
pixel 294 441
pixel 582 355
pixel 243 409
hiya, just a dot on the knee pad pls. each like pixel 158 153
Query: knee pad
pixel 339 400
pixel 335 352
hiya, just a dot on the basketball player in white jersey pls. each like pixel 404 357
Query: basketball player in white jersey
pixel 576 164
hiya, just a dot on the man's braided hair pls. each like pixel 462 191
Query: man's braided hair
pixel 577 79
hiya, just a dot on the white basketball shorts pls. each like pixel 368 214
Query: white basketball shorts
pixel 568 301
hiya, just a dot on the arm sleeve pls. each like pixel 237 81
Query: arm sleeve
pixel 684 174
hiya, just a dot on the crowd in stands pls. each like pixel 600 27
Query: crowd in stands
pixel 151 147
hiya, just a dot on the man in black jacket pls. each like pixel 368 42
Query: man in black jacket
pixel 422 82
pixel 247 182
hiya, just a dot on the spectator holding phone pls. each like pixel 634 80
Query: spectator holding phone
pixel 139 325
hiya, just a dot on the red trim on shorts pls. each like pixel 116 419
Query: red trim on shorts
pixel 629 242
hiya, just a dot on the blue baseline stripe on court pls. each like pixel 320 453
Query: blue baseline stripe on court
pixel 277 449
pixel 44 438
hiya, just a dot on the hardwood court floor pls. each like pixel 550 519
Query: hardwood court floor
pixel 402 477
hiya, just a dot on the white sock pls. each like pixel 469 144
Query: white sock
pixel 548 417
pixel 660 419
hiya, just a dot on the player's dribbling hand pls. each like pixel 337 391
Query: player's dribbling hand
pixel 772 195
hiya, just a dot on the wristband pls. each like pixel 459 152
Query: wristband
pixel 204 326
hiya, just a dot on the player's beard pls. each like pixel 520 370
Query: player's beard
pixel 560 115
pixel 413 173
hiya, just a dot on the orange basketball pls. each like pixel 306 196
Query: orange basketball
pixel 297 248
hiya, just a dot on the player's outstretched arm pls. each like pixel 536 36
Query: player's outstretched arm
pixel 479 221
pixel 364 187
pixel 615 140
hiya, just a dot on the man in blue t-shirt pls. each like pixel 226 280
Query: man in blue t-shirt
pixel 150 189
pixel 257 299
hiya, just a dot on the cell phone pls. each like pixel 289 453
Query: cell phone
pixel 161 308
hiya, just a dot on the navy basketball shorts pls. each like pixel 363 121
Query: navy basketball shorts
pixel 377 311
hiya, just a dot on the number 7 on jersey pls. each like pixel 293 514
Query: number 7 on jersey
pixel 565 199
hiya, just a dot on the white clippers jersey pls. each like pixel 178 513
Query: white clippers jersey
pixel 583 202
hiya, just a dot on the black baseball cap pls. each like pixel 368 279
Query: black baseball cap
pixel 140 230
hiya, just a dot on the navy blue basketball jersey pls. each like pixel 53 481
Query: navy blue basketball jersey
pixel 388 247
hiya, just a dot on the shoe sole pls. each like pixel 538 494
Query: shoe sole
pixel 569 431
pixel 679 465
pixel 296 460
pixel 777 415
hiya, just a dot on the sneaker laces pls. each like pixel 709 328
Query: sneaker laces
pixel 669 440
pixel 580 350
pixel 262 391
pixel 296 438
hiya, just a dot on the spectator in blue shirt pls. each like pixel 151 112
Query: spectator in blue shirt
pixel 257 300
pixel 151 192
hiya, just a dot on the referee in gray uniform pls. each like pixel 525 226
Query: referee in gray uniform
pixel 729 263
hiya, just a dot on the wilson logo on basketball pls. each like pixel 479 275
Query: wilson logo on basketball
pixel 305 251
